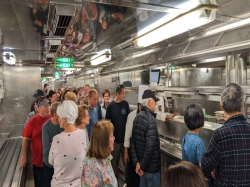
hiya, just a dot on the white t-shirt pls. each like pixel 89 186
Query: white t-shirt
pixel 159 103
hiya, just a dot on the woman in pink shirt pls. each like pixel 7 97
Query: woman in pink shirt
pixel 68 149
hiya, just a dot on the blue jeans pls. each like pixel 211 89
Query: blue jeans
pixel 150 179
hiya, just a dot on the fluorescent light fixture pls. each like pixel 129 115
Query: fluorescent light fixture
pixel 172 13
pixel 9 58
pixel 101 57
pixel 175 25
pixel 229 26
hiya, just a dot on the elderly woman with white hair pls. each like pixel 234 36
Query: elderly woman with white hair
pixel 68 149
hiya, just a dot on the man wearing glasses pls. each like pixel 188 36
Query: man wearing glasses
pixel 33 132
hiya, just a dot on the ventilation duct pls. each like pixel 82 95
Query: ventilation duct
pixel 53 45
pixel 49 58
pixel 62 18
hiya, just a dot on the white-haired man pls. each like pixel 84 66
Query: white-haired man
pixel 145 144
pixel 228 156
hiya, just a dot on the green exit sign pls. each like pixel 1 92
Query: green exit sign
pixel 64 65
pixel 44 79
pixel 172 67
pixel 56 75
pixel 65 60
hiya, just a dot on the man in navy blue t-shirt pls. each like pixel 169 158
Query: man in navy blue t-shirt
pixel 117 113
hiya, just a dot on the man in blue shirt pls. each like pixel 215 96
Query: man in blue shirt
pixel 93 110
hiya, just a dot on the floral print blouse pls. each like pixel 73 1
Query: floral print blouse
pixel 98 173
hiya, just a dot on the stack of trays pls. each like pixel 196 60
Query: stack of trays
pixel 220 117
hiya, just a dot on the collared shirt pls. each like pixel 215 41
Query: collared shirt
pixel 229 153
pixel 98 172
pixel 103 110
pixel 93 112
pixel 159 103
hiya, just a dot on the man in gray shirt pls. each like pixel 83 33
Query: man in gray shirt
pixel 49 130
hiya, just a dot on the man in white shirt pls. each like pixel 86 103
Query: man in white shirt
pixel 159 107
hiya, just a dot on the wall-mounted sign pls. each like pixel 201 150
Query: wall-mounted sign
pixel 65 60
pixel 172 67
pixel 56 75
pixel 64 65
pixel 44 79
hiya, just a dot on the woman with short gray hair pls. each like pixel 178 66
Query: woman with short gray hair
pixel 68 149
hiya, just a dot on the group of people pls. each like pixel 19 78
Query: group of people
pixel 227 159
pixel 81 145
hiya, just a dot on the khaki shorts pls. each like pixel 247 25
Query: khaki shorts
pixel 118 150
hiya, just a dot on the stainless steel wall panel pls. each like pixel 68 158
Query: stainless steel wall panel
pixel 137 78
pixel 71 82
pixel 200 77
pixel 80 82
pixel 180 104
pixel 105 82
pixel 175 130
pixel 131 97
pixel 58 85
pixel 235 36
pixel 20 84
pixel 125 76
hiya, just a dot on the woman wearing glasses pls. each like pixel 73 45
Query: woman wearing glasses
pixel 68 149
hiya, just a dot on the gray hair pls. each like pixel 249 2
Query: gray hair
pixel 69 110
pixel 144 102
pixel 232 98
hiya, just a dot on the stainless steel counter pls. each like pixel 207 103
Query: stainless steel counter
pixel 174 130
pixel 171 133
pixel 207 125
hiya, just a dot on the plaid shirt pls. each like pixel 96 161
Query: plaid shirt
pixel 229 153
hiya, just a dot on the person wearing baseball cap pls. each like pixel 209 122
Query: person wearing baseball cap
pixel 37 94
pixel 145 144
pixel 33 132
pixel 132 179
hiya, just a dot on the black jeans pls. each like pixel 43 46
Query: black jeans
pixel 132 179
pixel 38 176
pixel 48 174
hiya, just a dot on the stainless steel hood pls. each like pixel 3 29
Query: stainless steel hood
pixel 19 36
